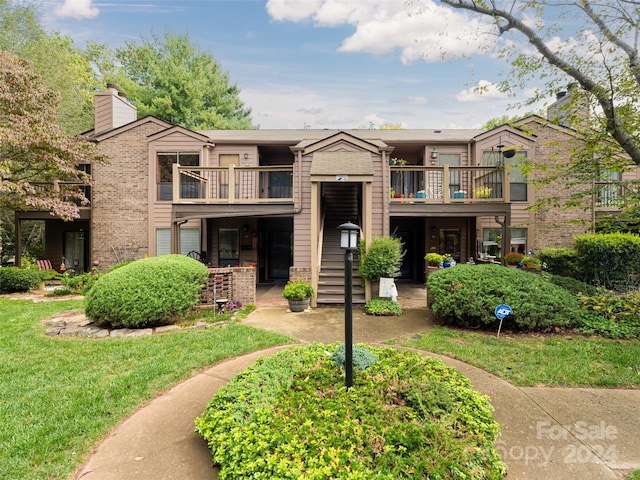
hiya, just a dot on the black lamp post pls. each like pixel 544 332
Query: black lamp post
pixel 349 241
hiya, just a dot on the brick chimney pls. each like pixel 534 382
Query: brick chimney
pixel 112 109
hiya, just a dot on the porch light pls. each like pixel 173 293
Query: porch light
pixel 349 236
pixel 434 154
pixel 348 241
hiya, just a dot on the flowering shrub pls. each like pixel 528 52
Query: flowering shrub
pixel 233 305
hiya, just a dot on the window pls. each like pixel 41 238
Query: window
pixel 519 240
pixel 164 179
pixel 491 238
pixel 189 240
pixel 228 247
pixel 517 180
pixel 609 190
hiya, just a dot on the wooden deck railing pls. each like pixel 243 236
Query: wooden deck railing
pixel 446 184
pixel 232 184
pixel 65 190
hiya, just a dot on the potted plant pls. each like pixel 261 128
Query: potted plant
pixel 531 262
pixel 298 293
pixel 446 260
pixel 513 258
pixel 482 192
pixel 434 259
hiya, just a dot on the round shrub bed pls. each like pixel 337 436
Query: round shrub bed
pixel 148 292
pixel 406 416
pixel 467 295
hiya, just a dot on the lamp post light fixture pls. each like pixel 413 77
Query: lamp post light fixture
pixel 349 242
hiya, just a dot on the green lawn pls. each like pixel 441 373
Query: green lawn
pixel 535 360
pixel 60 396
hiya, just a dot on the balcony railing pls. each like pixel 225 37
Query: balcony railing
pixel 446 184
pixel 231 184
pixel 609 195
pixel 65 190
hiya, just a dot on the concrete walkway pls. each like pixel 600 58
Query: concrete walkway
pixel 548 433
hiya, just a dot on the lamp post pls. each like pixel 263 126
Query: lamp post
pixel 349 242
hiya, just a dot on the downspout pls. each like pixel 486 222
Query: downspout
pixel 297 203
pixel 175 235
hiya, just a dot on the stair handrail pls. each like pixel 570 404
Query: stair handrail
pixel 320 239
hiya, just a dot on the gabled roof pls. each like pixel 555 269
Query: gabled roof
pixel 118 130
pixel 361 144
pixel 184 131
pixel 505 128
pixel 543 122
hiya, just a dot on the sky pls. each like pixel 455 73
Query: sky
pixel 333 64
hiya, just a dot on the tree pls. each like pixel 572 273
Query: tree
pixel 503 120
pixel 35 151
pixel 602 57
pixel 64 67
pixel 172 79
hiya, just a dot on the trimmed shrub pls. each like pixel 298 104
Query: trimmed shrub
pixel 382 259
pixel 610 260
pixel 560 261
pixel 14 279
pixel 467 295
pixel 407 416
pixel 148 292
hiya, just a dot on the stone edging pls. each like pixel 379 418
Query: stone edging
pixel 76 324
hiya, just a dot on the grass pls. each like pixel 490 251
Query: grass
pixel 540 360
pixel 60 396
pixel 635 475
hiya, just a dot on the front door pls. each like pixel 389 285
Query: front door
pixel 450 242
pixel 279 248
pixel 73 251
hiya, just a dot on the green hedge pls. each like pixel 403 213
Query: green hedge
pixel 14 279
pixel 610 260
pixel 560 261
pixel 148 292
pixel 406 416
pixel 467 295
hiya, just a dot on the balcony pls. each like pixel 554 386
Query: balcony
pixel 610 196
pixel 229 185
pixel 412 184
pixel 67 191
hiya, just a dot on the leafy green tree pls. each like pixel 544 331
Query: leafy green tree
pixel 172 79
pixel 64 68
pixel 601 57
pixel 35 151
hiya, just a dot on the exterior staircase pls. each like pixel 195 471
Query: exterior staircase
pixel 340 204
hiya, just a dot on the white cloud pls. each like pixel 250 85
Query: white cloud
pixel 77 9
pixel 484 90
pixel 417 100
pixel 426 30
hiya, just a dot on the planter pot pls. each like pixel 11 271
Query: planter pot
pixel 299 305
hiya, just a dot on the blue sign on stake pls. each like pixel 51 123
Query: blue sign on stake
pixel 501 312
